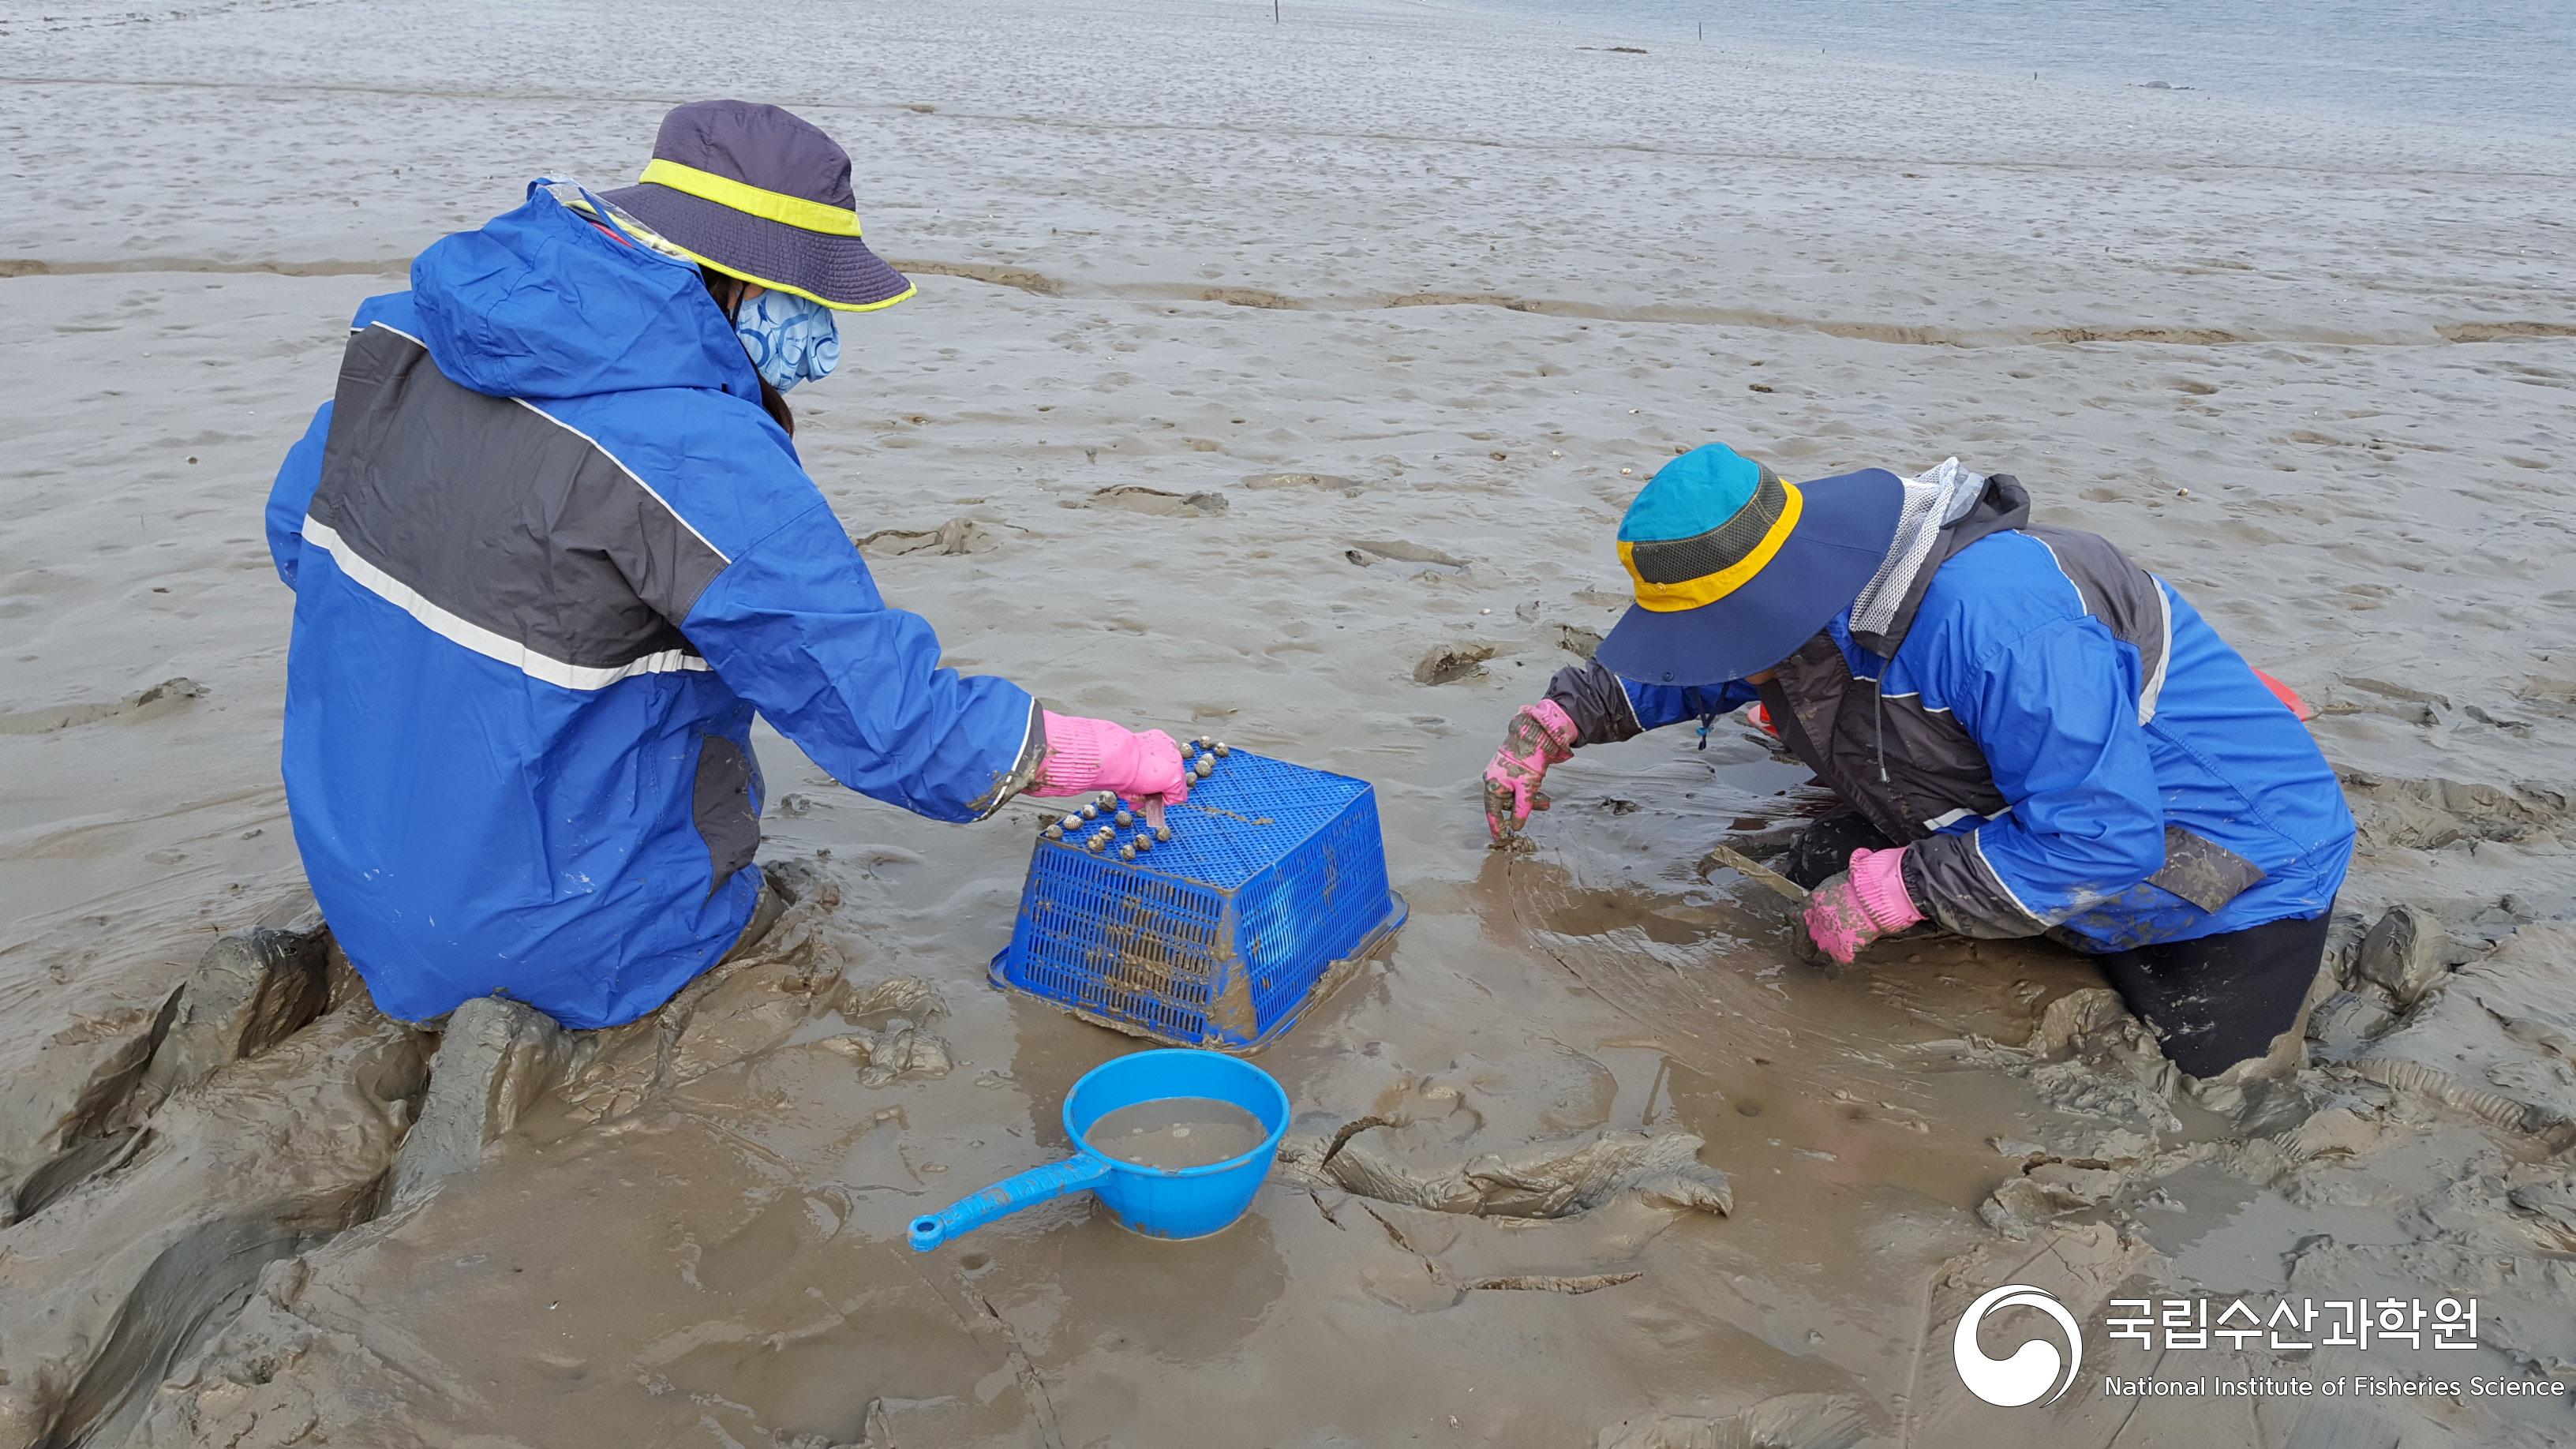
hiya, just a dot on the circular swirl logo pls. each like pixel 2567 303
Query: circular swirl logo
pixel 2027 1373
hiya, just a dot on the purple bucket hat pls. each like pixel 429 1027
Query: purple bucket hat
pixel 758 193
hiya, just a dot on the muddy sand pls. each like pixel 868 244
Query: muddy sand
pixel 1285 383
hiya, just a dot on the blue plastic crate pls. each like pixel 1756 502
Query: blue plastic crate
pixel 1222 936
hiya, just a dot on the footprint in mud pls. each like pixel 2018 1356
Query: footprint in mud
pixel 1533 1180
pixel 1260 297
pixel 1574 639
pixel 130 1261
pixel 788 988
pixel 2490 1037
pixel 901 1050
pixel 1428 1110
pixel 956 536
pixel 2087 1057
pixel 160 699
pixel 2431 814
pixel 250 991
pixel 775 1237
pixel 1450 663
pixel 1785 1421
pixel 1021 278
pixel 1659 917
pixel 1137 498
pixel 1412 559
pixel 1576 1212
pixel 1712 979
pixel 1329 482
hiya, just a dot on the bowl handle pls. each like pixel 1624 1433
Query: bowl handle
pixel 1037 1185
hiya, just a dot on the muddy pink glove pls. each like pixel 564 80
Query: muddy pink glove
pixel 1862 904
pixel 1093 754
pixel 1540 735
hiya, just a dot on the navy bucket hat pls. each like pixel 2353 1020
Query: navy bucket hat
pixel 1734 568
pixel 758 193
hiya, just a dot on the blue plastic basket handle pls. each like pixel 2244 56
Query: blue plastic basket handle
pixel 1037 1185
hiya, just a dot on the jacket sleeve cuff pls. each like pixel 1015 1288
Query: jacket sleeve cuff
pixel 1951 880
pixel 1023 771
pixel 1595 700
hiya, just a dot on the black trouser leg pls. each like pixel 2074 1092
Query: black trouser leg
pixel 2214 1001
pixel 2221 999
pixel 1824 851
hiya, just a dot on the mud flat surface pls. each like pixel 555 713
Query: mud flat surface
pixel 1285 383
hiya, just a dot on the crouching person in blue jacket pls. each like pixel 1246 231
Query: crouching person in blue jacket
pixel 2030 734
pixel 552 547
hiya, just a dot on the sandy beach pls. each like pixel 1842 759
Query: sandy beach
pixel 1286 383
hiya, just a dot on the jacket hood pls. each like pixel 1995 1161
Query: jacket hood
pixel 2002 506
pixel 541 303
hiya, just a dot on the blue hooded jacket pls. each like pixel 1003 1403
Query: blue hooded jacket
pixel 549 555
pixel 2066 745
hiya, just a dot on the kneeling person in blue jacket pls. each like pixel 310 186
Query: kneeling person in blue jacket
pixel 552 547
pixel 2031 735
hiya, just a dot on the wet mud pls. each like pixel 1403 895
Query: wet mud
pixel 1587 1156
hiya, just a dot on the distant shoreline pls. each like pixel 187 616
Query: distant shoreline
pixel 1657 24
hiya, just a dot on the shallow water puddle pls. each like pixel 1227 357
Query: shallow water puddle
pixel 2225 1232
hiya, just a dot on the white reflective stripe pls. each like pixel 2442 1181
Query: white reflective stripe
pixel 1950 817
pixel 479 639
pixel 2164 657
pixel 594 442
pixel 1976 842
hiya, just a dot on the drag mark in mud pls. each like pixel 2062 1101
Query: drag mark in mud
pixel 1266 132
pixel 1657 959
pixel 1901 334
pixel 1533 1181
pixel 149 703
pixel 216 266
pixel 208 1272
pixel 990 1321
pixel 1555 1283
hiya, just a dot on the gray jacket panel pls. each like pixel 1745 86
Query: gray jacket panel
pixel 497 513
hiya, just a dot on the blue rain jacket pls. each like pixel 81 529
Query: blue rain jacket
pixel 549 556
pixel 2086 795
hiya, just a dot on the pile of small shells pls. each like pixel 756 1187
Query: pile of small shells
pixel 1208 752
pixel 1198 757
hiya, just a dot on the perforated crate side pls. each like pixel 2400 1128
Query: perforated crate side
pixel 1132 945
pixel 1313 908
pixel 1220 936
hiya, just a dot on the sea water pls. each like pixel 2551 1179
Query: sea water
pixel 2490 63
pixel 1175 1132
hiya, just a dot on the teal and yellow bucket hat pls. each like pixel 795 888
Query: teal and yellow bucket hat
pixel 1734 567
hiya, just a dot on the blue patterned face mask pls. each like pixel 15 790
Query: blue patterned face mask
pixel 791 339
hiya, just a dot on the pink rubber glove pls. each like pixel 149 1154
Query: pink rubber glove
pixel 1541 735
pixel 1093 754
pixel 1862 904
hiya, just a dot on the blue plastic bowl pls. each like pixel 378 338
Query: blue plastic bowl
pixel 1158 1202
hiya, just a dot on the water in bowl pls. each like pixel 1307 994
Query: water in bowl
pixel 1176 1132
